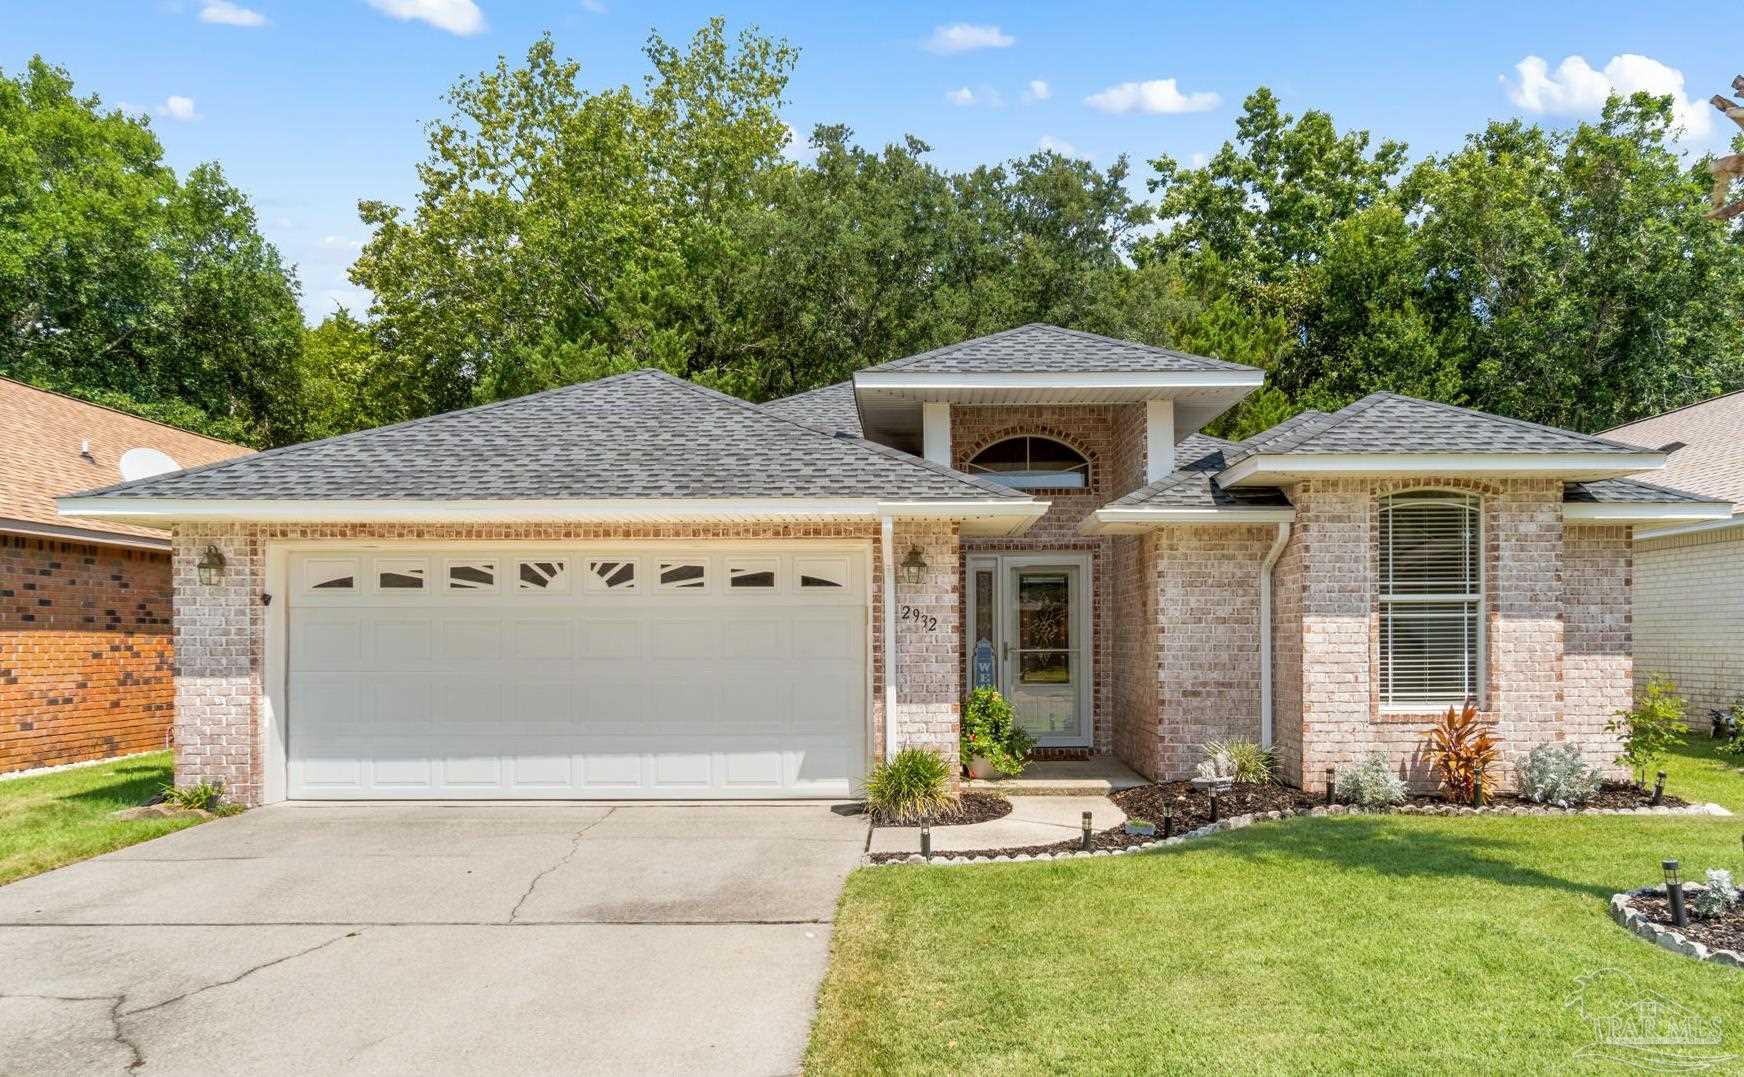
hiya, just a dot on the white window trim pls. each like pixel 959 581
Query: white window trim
pixel 1480 673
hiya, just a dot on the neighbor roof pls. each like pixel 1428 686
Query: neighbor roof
pixel 643 434
pixel 832 407
pixel 1712 458
pixel 41 458
pixel 1048 349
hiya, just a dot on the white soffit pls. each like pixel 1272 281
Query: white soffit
pixel 1271 469
pixel 1124 521
pixel 1646 513
pixel 993 516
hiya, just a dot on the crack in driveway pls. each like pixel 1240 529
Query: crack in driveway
pixel 243 975
pixel 115 1033
pixel 574 847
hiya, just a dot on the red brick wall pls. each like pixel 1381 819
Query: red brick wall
pixel 85 652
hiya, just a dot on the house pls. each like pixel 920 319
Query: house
pixel 639 587
pixel 85 651
pixel 1689 576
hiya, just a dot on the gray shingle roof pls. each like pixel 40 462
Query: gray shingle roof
pixel 831 407
pixel 1390 423
pixel 636 435
pixel 1625 491
pixel 1048 349
pixel 1193 485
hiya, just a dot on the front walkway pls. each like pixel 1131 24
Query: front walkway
pixel 432 938
pixel 1034 820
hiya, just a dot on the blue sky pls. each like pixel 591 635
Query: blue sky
pixel 311 105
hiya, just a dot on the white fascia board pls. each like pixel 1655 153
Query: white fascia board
pixel 1691 529
pixel 1120 521
pixel 81 534
pixel 601 510
pixel 991 517
pixel 906 381
pixel 1645 512
pixel 1269 469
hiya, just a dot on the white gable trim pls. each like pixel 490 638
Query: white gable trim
pixel 1130 520
pixel 919 381
pixel 1268 469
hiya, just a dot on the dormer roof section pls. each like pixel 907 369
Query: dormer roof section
pixel 1044 364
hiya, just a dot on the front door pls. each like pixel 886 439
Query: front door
pixel 1031 641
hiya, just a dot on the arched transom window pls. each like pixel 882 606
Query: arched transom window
pixel 1033 463
pixel 1431 598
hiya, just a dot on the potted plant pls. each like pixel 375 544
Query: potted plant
pixel 992 743
pixel 1141 828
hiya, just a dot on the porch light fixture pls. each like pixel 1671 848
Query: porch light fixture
pixel 914 566
pixel 211 566
pixel 1674 893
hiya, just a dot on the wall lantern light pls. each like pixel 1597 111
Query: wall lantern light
pixel 211 566
pixel 914 566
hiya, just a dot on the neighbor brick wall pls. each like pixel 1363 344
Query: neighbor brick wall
pixel 1529 596
pixel 85 651
pixel 220 630
pixel 1689 616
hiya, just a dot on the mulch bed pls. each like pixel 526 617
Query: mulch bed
pixel 970 808
pixel 1192 807
pixel 1722 933
pixel 1610 795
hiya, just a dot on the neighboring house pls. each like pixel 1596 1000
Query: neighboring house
pixel 638 587
pixel 85 648
pixel 1689 577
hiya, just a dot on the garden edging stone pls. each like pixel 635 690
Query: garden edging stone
pixel 1665 937
pixel 1237 822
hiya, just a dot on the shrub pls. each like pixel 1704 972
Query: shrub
pixel 201 797
pixel 1370 784
pixel 1556 774
pixel 1463 753
pixel 990 730
pixel 1719 896
pixel 1651 728
pixel 1245 759
pixel 912 786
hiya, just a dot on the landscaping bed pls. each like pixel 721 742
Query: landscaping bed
pixel 1723 932
pixel 970 808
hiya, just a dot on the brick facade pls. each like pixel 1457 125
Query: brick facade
pixel 85 652
pixel 220 630
pixel 1111 438
pixel 1556 619
pixel 1689 615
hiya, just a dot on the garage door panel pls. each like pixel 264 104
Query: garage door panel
pixel 585 692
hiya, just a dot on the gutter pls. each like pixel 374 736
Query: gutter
pixel 1266 567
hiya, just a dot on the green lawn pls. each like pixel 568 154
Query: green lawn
pixel 55 819
pixel 1697 772
pixel 1394 944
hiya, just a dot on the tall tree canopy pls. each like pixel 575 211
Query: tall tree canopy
pixel 122 284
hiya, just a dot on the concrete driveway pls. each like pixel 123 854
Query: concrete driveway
pixel 394 938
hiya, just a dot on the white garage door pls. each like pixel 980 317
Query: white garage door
pixel 735 671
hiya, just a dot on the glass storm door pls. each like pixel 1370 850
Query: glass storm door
pixel 1027 638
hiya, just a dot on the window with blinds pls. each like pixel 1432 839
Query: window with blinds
pixel 1431 596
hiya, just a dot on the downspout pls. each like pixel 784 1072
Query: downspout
pixel 887 556
pixel 1266 567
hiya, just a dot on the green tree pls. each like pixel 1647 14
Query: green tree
pixel 121 284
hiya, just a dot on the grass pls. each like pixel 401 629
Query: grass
pixel 54 819
pixel 1698 772
pixel 1374 944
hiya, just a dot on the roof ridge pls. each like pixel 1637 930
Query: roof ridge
pixel 1135 345
pixel 349 435
pixel 758 410
pixel 947 349
pixel 808 392
pixel 1296 438
pixel 124 414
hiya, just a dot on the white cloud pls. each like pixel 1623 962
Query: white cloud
pixel 964 37
pixel 1197 160
pixel 1575 87
pixel 1037 90
pixel 594 6
pixel 176 107
pixel 986 96
pixel 226 13
pixel 1061 147
pixel 341 243
pixel 1156 96
pixel 456 16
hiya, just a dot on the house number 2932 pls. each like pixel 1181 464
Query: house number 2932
pixel 920 617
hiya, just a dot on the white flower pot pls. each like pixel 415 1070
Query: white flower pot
pixel 981 768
